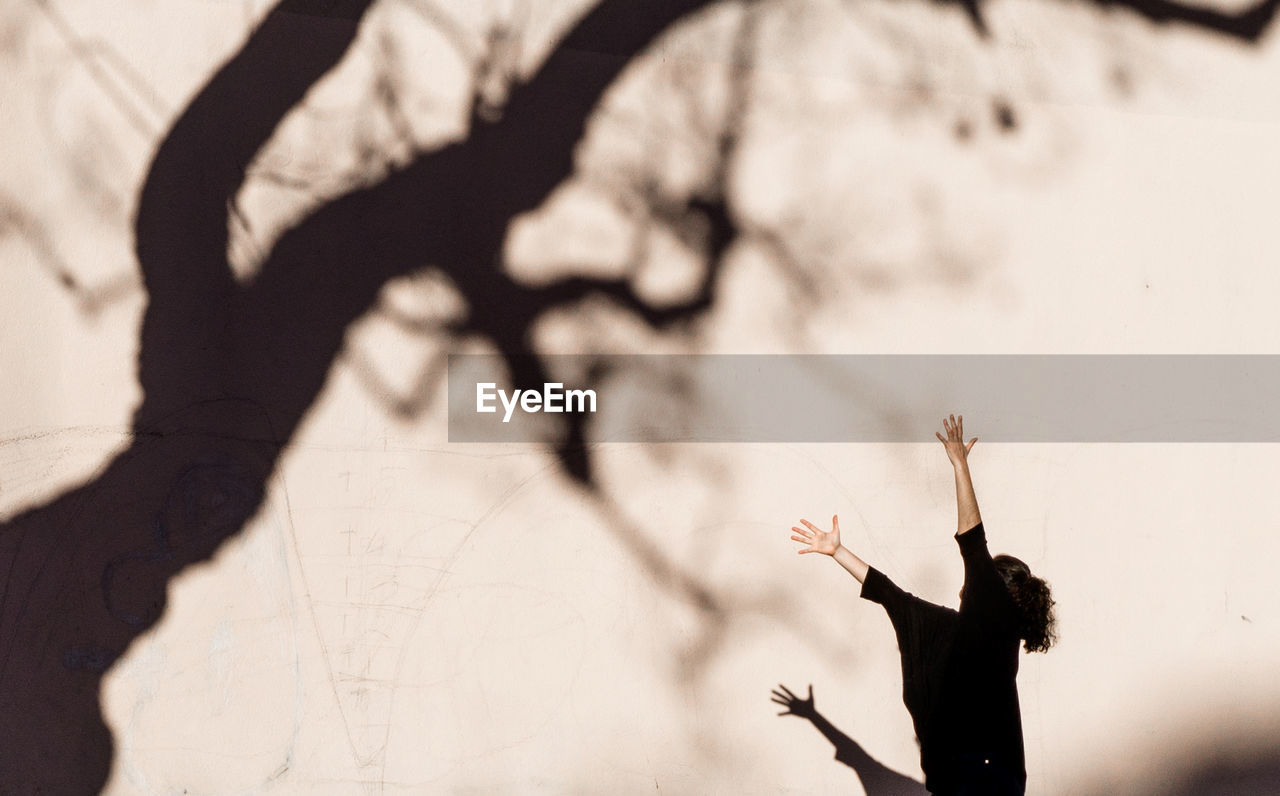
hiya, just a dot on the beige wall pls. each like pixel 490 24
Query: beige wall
pixel 407 615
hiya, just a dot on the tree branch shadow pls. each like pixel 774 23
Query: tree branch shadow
pixel 229 370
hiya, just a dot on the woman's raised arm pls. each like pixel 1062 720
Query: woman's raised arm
pixel 967 516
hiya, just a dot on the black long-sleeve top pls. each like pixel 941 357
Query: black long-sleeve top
pixel 959 668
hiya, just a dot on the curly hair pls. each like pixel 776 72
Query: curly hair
pixel 1039 626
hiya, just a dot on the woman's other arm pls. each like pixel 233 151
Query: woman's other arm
pixel 876 586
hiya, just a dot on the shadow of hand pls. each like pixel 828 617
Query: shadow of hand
pixel 795 706
pixel 877 780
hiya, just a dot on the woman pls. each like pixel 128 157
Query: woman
pixel 959 668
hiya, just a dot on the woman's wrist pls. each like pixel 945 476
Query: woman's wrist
pixel 850 561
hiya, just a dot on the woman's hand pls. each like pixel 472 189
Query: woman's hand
pixel 795 706
pixel 828 543
pixel 818 540
pixel 957 450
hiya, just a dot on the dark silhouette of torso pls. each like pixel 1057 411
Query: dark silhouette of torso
pixel 959 673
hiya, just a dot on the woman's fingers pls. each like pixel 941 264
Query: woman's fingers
pixel 954 426
pixel 786 691
pixel 815 537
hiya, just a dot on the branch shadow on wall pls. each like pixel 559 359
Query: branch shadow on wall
pixel 229 368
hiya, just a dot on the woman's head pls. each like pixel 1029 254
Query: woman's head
pixel 1035 605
